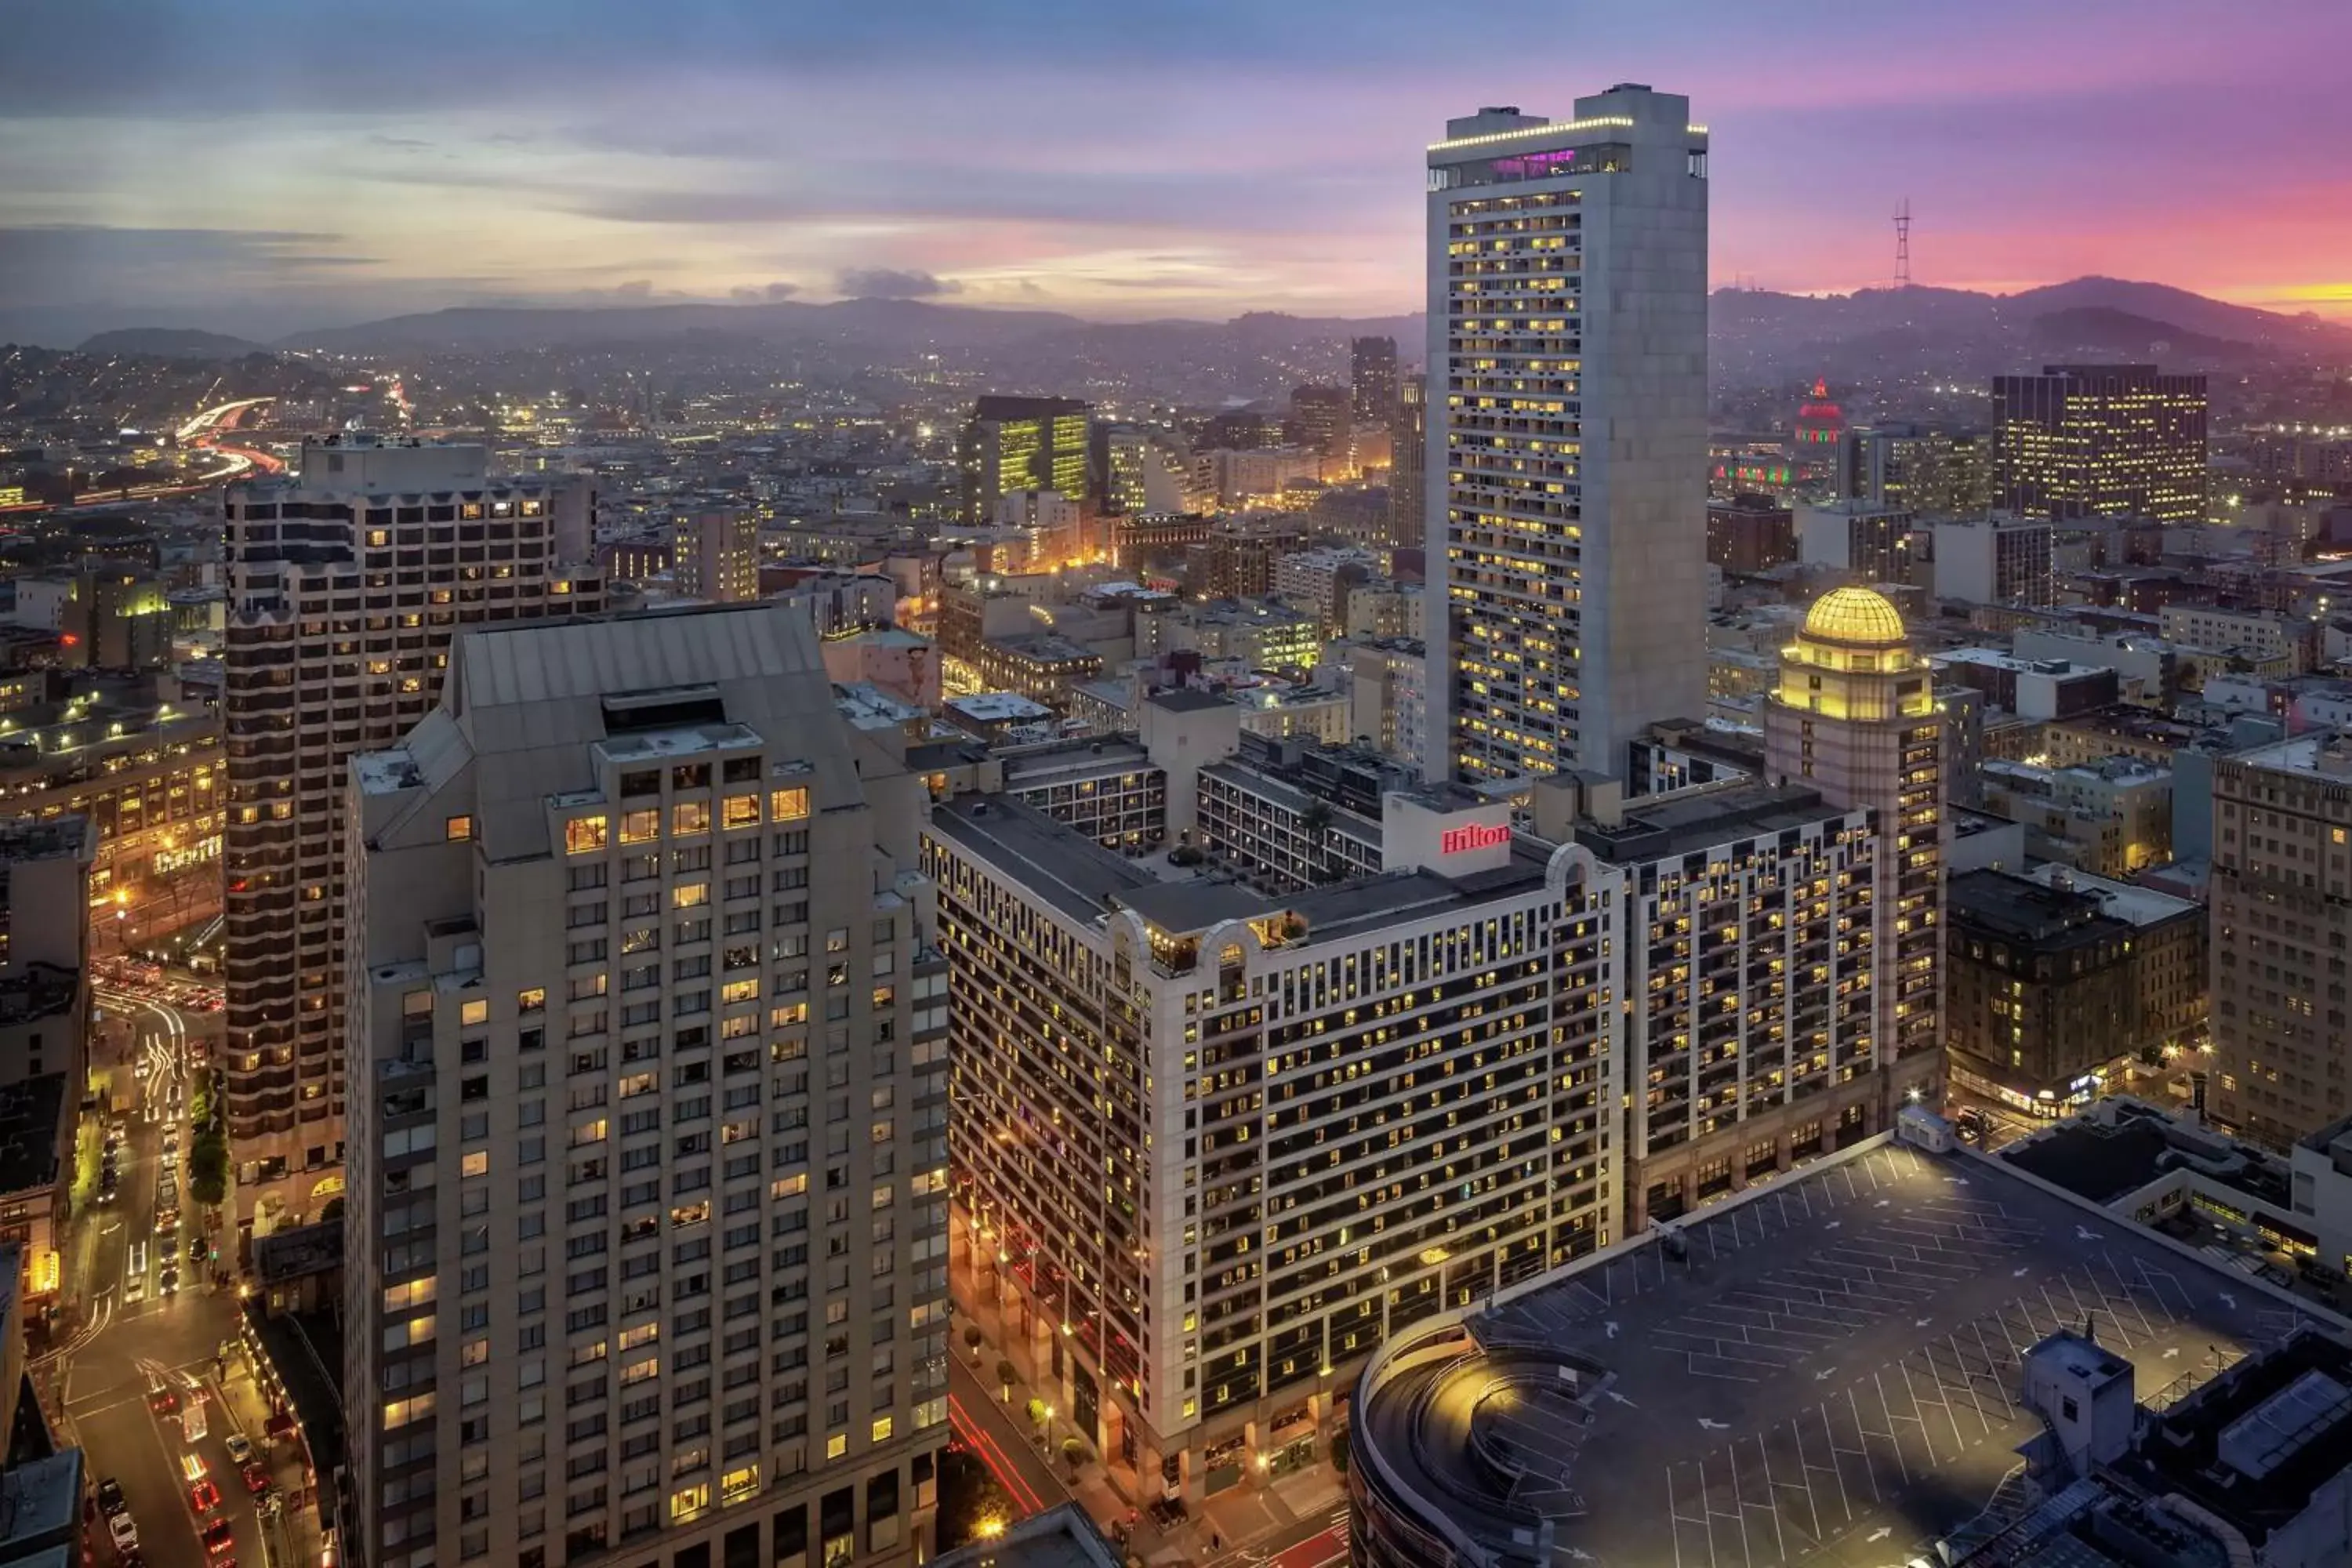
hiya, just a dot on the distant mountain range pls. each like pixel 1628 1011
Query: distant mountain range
pixel 1765 337
pixel 1758 338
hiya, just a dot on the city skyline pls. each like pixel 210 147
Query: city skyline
pixel 1000 160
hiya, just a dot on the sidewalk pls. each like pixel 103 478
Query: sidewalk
pixel 1110 1490
pixel 293 1536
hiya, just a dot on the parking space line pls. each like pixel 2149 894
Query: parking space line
pixel 1731 1453
pixel 1771 1493
pixel 1967 1383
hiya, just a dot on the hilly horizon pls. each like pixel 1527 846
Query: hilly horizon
pixel 1740 320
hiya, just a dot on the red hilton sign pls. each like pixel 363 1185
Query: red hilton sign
pixel 1478 835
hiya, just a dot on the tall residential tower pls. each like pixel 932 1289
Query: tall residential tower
pixel 1855 718
pixel 1567 446
pixel 346 581
pixel 648 1156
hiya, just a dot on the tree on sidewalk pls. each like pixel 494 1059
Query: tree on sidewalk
pixel 1006 1373
pixel 972 1339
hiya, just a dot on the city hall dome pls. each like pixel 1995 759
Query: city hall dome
pixel 1856 617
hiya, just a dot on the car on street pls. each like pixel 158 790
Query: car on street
pixel 168 1282
pixel 113 1135
pixel 239 1447
pixel 193 1466
pixel 203 1498
pixel 219 1536
pixel 134 1288
pixel 161 1398
pixel 192 1423
pixel 110 1497
pixel 196 1247
pixel 123 1531
pixel 167 1219
pixel 109 1188
pixel 257 1479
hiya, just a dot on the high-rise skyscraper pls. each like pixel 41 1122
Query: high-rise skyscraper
pixel 2281 937
pixel 1408 467
pixel 648 1170
pixel 346 581
pixel 1567 447
pixel 1372 379
pixel 715 556
pixel 1321 422
pixel 2100 440
pixel 1855 718
pixel 1021 444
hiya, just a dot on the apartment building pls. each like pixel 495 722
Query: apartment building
pixel 648 1180
pixel 715 556
pixel 2258 635
pixel 1303 1121
pixel 347 578
pixel 2281 903
pixel 1752 966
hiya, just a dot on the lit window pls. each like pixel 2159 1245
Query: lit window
pixel 882 1428
pixel 739 1486
pixel 687 1502
pixel 530 1000
pixel 788 805
pixel 836 1445
pixel 416 1293
pixel 688 816
pixel 689 895
pixel 741 811
pixel 789 1014
pixel 476 1163
pixel 476 1012
pixel 742 990
pixel 584 835
pixel 459 829
pixel 638 827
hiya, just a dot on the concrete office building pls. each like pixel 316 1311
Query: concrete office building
pixel 346 580
pixel 1566 299
pixel 1994 560
pixel 1372 379
pixel 647 1179
pixel 715 556
pixel 1021 444
pixel 1869 540
pixel 2115 440
pixel 1856 718
pixel 1308 1120
pixel 2281 898
pixel 1917 467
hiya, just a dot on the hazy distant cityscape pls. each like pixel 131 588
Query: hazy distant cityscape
pixel 1625 919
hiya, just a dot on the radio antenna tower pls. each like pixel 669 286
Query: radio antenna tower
pixel 1903 244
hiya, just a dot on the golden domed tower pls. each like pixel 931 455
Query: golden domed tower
pixel 1855 718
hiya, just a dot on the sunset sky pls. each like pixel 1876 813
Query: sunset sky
pixel 265 166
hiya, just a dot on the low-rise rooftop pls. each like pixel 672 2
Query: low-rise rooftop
pixel 1823 1371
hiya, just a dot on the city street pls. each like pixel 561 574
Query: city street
pixel 138 1359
